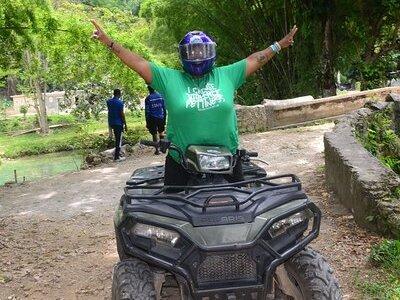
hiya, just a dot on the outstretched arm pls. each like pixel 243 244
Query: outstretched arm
pixel 256 60
pixel 129 58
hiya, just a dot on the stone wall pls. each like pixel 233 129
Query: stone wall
pixel 359 180
pixel 280 113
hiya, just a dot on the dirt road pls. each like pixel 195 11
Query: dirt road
pixel 57 239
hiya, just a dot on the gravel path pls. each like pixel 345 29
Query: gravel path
pixel 57 239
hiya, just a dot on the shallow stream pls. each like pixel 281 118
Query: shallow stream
pixel 39 166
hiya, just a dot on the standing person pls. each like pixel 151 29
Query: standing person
pixel 199 100
pixel 155 115
pixel 116 121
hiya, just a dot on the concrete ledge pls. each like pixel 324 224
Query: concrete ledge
pixel 279 113
pixel 360 181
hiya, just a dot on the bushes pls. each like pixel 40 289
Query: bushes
pixel 83 136
pixel 379 139
pixel 93 134
pixel 15 124
pixel 23 110
pixel 135 134
pixel 386 256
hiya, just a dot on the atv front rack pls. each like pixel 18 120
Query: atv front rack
pixel 245 191
pixel 149 202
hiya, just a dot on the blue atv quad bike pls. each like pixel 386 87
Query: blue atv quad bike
pixel 217 239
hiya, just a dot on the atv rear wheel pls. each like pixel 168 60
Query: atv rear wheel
pixel 307 276
pixel 132 279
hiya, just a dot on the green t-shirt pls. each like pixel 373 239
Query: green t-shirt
pixel 200 109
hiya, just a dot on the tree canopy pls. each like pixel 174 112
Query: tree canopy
pixel 361 39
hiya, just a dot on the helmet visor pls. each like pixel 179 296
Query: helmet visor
pixel 197 52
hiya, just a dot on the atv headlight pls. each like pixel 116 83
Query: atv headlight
pixel 160 235
pixel 214 163
pixel 281 226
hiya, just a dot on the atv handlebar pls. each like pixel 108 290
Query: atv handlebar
pixel 165 145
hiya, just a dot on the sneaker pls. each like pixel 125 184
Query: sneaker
pixel 120 159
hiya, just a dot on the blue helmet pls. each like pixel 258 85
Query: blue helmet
pixel 197 53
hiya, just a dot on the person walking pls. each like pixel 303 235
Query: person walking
pixel 155 115
pixel 116 121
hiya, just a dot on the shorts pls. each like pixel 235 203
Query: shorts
pixel 155 125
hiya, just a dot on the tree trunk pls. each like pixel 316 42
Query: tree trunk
pixel 328 75
pixel 11 86
pixel 39 98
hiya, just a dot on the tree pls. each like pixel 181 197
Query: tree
pixel 333 35
pixel 63 56
pixel 291 73
pixel 24 24
pixel 81 66
pixel 34 69
pixel 369 39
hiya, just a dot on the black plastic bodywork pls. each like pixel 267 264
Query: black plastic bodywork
pixel 201 269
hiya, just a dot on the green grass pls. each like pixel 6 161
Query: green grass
pixel 385 256
pixel 19 123
pixel 92 134
pixel 388 290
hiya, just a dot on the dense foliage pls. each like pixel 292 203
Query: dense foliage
pixel 359 38
pixel 49 47
pixel 381 140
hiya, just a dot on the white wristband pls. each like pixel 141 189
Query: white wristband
pixel 278 46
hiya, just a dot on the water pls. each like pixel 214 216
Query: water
pixel 39 166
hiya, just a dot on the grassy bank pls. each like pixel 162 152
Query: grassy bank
pixel 19 123
pixel 92 134
pixel 386 257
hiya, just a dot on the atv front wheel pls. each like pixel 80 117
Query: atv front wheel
pixel 307 276
pixel 133 280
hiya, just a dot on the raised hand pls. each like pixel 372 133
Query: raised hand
pixel 288 40
pixel 99 34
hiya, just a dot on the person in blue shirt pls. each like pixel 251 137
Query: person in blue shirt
pixel 116 121
pixel 155 115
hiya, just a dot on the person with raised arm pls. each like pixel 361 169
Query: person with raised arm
pixel 199 98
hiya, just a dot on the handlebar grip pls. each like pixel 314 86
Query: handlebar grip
pixel 252 153
pixel 149 143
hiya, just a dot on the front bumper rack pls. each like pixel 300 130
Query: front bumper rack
pixel 252 264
